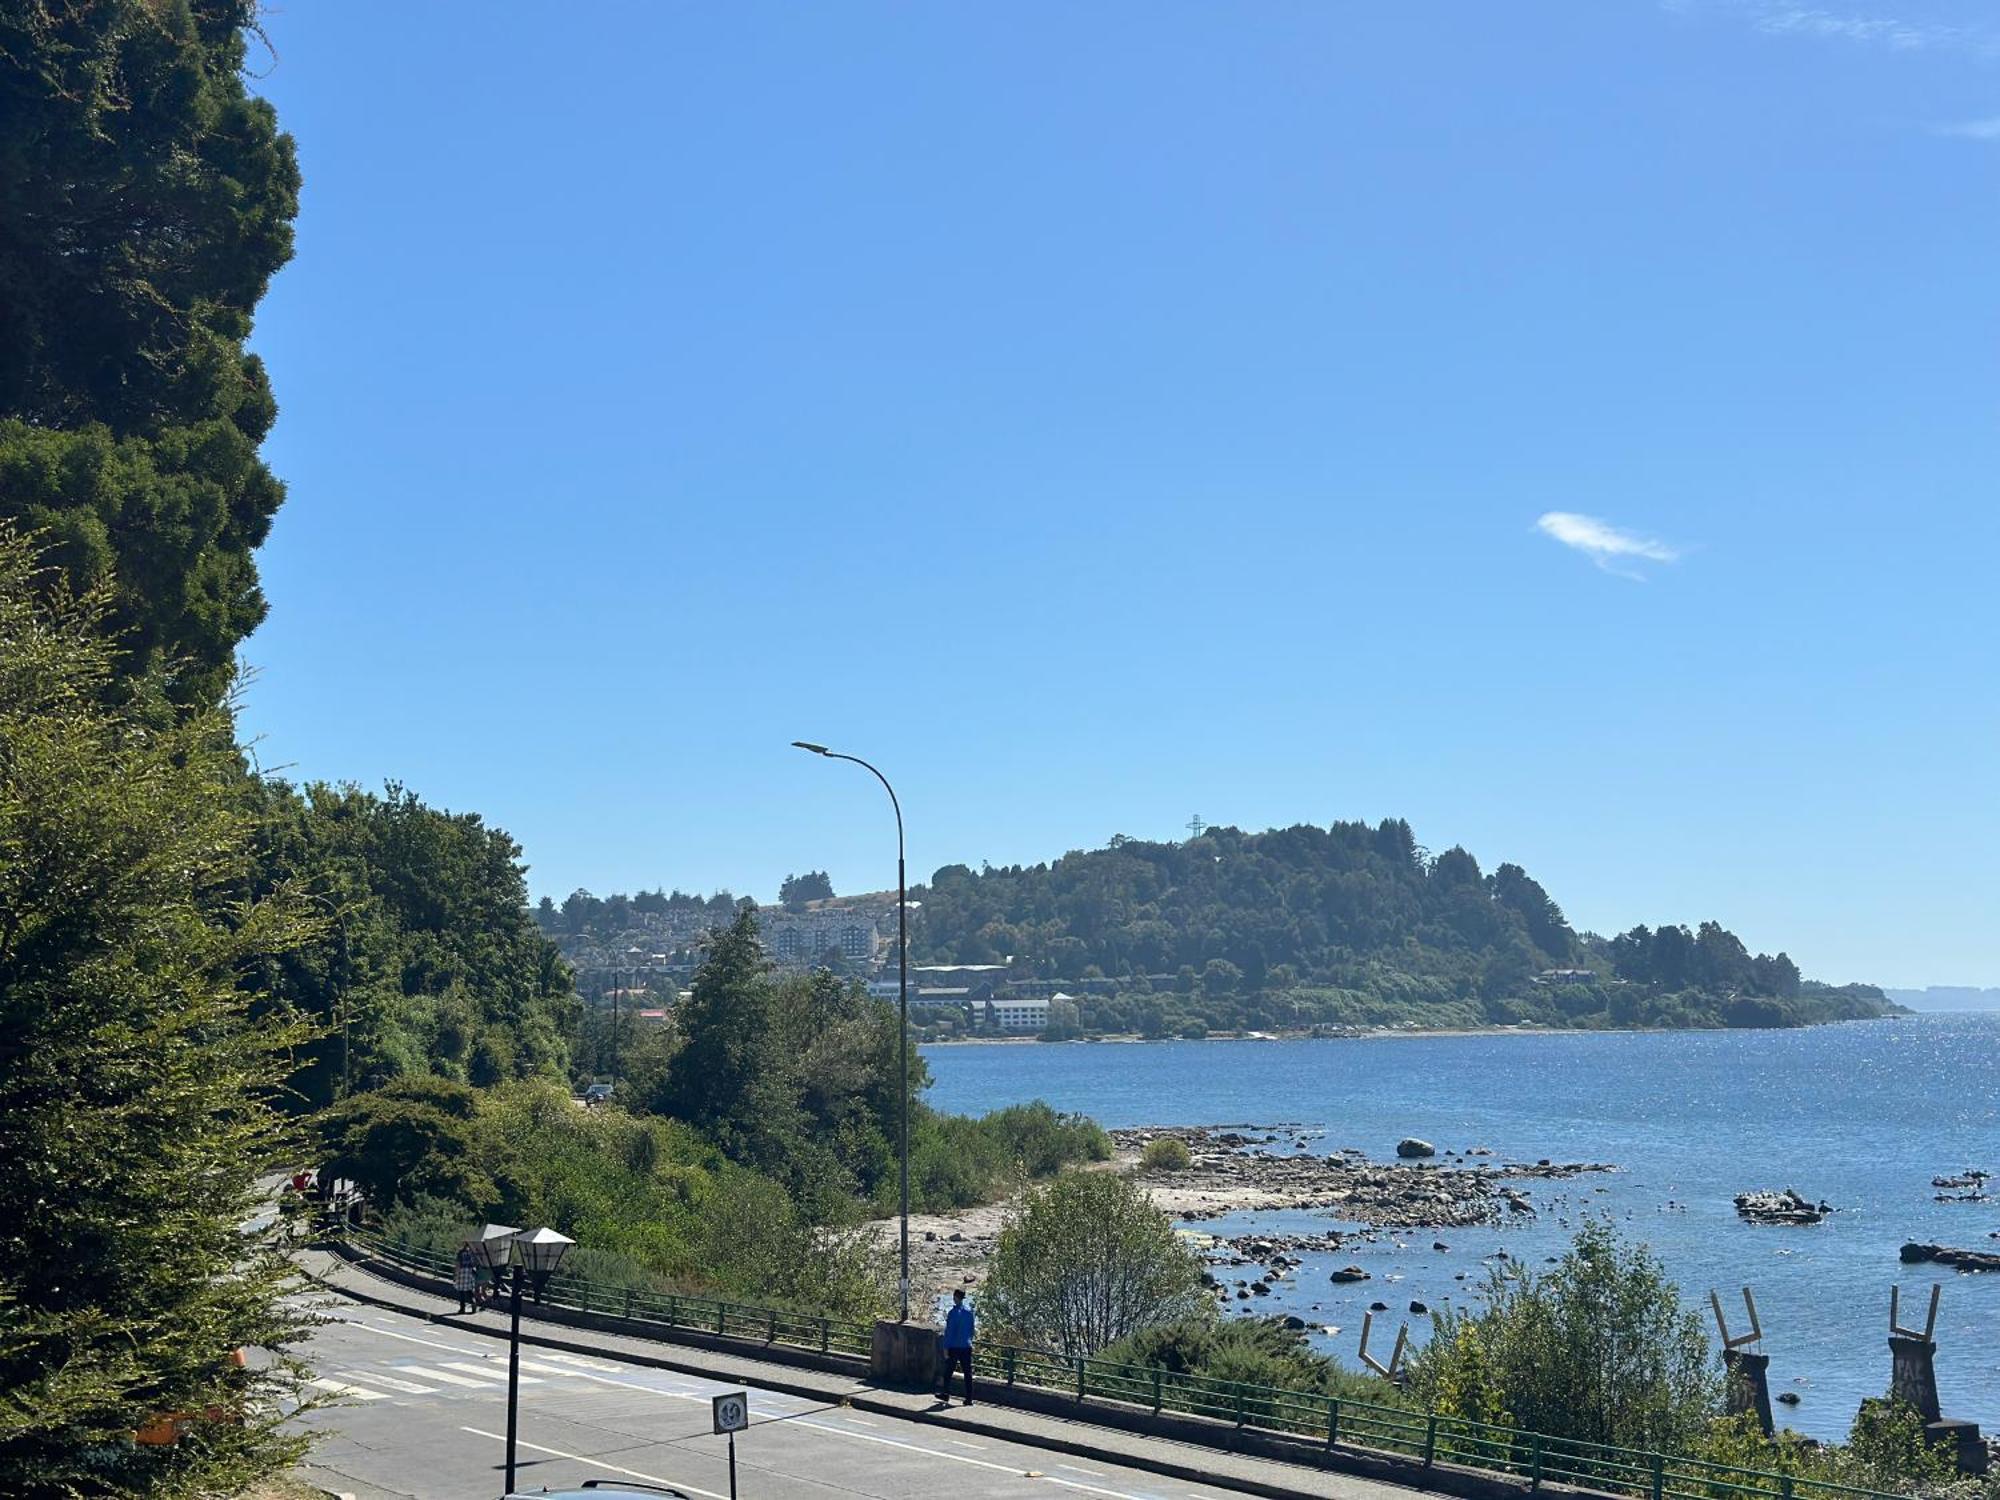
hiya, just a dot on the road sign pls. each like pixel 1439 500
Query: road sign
pixel 732 1411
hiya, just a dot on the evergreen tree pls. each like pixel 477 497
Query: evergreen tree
pixel 146 201
pixel 732 1078
pixel 136 1081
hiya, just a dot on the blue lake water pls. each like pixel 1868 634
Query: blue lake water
pixel 1861 1115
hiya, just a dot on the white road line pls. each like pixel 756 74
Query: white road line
pixel 1080 1469
pixel 342 1388
pixel 959 1458
pixel 598 1463
pixel 861 1421
pixel 407 1387
pixel 563 1370
pixel 408 1338
pixel 962 1443
pixel 495 1375
pixel 447 1377
pixel 580 1360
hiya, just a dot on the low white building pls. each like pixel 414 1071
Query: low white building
pixel 1017 1013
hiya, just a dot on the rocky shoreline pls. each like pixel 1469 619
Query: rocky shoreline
pixel 1233 1170
pixel 1243 1169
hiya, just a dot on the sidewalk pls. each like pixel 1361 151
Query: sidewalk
pixel 1078 1438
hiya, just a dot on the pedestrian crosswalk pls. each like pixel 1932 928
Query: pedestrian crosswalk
pixel 352 1392
pixel 439 1376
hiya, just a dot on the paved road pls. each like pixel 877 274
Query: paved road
pixel 423 1414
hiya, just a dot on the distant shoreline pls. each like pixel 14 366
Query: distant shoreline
pixel 1404 1033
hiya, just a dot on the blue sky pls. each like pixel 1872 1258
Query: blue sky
pixel 1573 427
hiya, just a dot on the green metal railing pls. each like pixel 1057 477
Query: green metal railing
pixel 1332 1422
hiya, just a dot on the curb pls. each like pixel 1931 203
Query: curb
pixel 1077 1447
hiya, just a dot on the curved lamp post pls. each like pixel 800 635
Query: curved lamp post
pixel 532 1253
pixel 903 1006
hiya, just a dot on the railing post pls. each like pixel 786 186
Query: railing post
pixel 1010 1364
pixel 1079 1379
pixel 721 1319
pixel 673 1311
pixel 1332 1421
pixel 771 1337
pixel 1659 1475
pixel 1535 1458
pixel 628 1302
pixel 1241 1402
pixel 1156 1390
pixel 1785 1486
pixel 1431 1441
pixel 823 1335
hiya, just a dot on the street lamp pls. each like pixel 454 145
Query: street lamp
pixel 903 999
pixel 533 1252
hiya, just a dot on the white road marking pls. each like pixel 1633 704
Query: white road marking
pixel 407 1387
pixel 342 1388
pixel 408 1338
pixel 588 1364
pixel 496 1375
pixel 598 1463
pixel 446 1376
pixel 862 1422
pixel 962 1443
pixel 959 1458
pixel 563 1370
pixel 1080 1469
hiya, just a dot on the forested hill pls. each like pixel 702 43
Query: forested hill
pixel 1351 923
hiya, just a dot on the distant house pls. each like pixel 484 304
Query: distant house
pixel 1566 976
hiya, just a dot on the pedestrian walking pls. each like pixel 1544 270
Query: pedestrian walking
pixel 957 1345
pixel 465 1277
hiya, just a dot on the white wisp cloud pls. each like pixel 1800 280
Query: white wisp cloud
pixel 1611 548
pixel 1973 130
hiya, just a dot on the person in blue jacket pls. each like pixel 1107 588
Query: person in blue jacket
pixel 957 1345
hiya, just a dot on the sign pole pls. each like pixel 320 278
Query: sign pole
pixel 732 1415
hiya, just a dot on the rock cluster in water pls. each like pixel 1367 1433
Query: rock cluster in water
pixel 1788 1207
pixel 1944 1255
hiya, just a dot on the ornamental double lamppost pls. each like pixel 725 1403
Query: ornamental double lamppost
pixel 531 1253
pixel 903 1005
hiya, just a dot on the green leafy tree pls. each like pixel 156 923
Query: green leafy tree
pixel 1087 1260
pixel 148 200
pixel 136 1079
pixel 1598 1348
pixel 797 890
pixel 415 1138
pixel 429 961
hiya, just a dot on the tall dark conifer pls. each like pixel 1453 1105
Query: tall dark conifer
pixel 145 201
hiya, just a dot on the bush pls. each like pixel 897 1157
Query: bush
pixel 957 1161
pixel 1598 1349
pixel 1166 1153
pixel 1086 1261
pixel 1254 1351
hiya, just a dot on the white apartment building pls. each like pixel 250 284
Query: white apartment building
pixel 1017 1013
